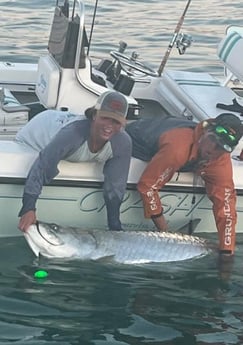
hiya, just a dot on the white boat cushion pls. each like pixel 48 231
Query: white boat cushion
pixel 230 51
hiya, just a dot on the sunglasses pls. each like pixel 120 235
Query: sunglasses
pixel 227 136
pixel 221 131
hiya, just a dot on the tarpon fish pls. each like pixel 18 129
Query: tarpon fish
pixel 128 247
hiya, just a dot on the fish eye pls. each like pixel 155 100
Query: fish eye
pixel 54 227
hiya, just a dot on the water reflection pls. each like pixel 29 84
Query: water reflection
pixel 146 27
pixel 101 303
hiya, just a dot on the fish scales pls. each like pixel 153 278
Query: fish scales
pixel 132 247
pixel 147 246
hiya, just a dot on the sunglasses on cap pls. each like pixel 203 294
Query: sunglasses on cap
pixel 225 134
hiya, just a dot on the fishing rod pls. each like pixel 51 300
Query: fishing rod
pixel 172 42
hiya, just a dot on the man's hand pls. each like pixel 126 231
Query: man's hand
pixel 26 220
pixel 160 223
pixel 225 266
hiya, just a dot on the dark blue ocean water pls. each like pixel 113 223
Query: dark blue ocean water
pixel 191 302
pixel 195 302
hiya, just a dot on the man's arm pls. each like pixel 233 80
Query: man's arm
pixel 115 178
pixel 220 189
pixel 171 156
pixel 44 170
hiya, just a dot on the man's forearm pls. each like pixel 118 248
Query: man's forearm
pixel 29 202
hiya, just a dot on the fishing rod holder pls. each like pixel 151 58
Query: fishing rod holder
pixel 134 56
pixel 183 42
pixel 122 47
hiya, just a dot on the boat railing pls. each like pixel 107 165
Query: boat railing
pixel 80 44
pixel 90 86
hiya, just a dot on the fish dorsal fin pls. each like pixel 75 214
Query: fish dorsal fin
pixel 190 226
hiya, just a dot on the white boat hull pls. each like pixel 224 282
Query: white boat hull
pixel 75 196
pixel 81 205
pixel 84 207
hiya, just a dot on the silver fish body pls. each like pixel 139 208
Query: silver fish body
pixel 128 247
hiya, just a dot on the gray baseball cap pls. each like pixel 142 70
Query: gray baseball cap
pixel 110 104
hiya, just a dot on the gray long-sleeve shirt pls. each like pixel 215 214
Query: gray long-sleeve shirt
pixel 68 144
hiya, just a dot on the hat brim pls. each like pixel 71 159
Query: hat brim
pixel 121 119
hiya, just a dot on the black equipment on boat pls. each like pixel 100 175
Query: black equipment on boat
pixel 235 106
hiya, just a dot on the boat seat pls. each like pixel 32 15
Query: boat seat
pixel 195 94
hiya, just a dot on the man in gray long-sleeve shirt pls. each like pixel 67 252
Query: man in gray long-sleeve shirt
pixel 60 135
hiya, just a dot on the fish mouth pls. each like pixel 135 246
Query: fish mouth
pixel 57 241
pixel 33 239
